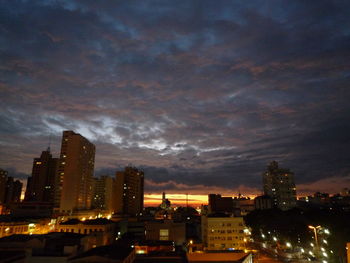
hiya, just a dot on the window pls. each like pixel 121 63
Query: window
pixel 164 234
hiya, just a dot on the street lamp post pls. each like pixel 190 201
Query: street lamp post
pixel 314 228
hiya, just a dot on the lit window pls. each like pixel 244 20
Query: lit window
pixel 164 234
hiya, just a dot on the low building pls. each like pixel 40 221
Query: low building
pixel 11 228
pixel 167 230
pixel 53 247
pixel 223 232
pixel 101 229
pixel 263 202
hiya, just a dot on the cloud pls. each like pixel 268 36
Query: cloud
pixel 197 94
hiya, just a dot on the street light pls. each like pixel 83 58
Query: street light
pixel 314 228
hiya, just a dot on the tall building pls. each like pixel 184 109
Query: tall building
pixel 128 192
pixel 13 191
pixel 221 232
pixel 76 167
pixel 279 185
pixel 40 186
pixel 103 193
pixel 3 180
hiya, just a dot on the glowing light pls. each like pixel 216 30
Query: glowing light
pixel 327 232
pixel 262 235
pixel 288 244
pixel 274 238
pixel 324 241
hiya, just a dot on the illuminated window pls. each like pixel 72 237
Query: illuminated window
pixel 38 163
pixel 164 234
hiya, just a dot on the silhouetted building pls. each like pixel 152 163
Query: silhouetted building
pixel 279 184
pixel 128 192
pixel 13 191
pixel 3 180
pixel 103 193
pixel 217 203
pixel 76 167
pixel 40 186
pixel 263 202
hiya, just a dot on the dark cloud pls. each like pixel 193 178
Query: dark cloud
pixel 198 94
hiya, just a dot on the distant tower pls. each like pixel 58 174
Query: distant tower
pixel 279 185
pixel 129 192
pixel 76 167
pixel 166 204
pixel 40 186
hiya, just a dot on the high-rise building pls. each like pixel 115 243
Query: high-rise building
pixel 3 180
pixel 128 192
pixel 103 193
pixel 40 186
pixel 76 167
pixel 279 185
pixel 13 191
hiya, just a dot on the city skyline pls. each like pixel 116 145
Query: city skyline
pixel 199 96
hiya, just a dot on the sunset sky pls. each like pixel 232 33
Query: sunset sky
pixel 201 95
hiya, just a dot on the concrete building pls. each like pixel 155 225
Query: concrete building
pixel 128 192
pixel 76 167
pixel 12 228
pixel 166 230
pixel 52 247
pixel 101 229
pixel 220 232
pixel 40 186
pixel 279 184
pixel 103 193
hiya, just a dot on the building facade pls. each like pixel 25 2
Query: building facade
pixel 103 193
pixel 76 167
pixel 279 185
pixel 223 233
pixel 40 186
pixel 128 192
pixel 167 230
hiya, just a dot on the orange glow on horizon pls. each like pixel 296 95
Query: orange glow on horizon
pixel 179 199
pixel 176 199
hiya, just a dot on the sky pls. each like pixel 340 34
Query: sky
pixel 201 95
